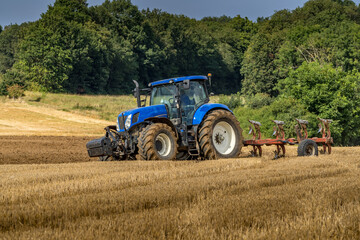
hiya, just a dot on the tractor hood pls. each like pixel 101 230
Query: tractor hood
pixel 129 118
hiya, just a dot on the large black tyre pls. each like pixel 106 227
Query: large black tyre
pixel 308 147
pixel 157 142
pixel 220 135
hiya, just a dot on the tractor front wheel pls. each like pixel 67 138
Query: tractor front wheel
pixel 220 135
pixel 157 142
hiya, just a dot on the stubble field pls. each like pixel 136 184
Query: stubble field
pixel 251 198
pixel 51 189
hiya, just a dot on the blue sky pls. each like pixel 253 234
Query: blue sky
pixel 19 11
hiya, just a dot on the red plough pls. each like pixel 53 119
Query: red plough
pixel 307 146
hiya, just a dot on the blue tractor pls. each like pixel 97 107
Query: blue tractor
pixel 179 123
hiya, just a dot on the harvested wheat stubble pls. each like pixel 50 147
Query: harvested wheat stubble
pixel 245 198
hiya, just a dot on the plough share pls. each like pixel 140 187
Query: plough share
pixel 307 146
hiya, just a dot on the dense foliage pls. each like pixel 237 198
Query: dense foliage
pixel 100 49
pixel 309 57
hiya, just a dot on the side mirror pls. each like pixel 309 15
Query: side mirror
pixel 186 84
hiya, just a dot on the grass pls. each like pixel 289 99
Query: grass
pixel 246 198
pixel 19 118
pixel 61 114
pixel 97 106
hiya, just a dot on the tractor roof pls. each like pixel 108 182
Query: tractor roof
pixel 179 79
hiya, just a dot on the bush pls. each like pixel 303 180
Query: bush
pixel 35 87
pixel 328 92
pixel 15 91
pixel 3 91
pixel 237 100
pixel 10 79
pixel 258 100
pixel 284 109
pixel 233 101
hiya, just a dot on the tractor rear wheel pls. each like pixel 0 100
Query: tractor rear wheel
pixel 308 147
pixel 157 142
pixel 220 135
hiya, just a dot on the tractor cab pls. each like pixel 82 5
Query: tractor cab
pixel 181 97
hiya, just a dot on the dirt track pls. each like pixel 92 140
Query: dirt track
pixel 43 149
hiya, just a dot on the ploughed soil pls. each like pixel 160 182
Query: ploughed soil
pixel 43 149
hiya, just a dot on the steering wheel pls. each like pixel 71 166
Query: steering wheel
pixel 171 102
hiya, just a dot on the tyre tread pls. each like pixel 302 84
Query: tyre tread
pixel 302 147
pixel 145 141
pixel 205 133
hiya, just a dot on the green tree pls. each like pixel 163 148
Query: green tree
pixel 258 66
pixel 64 50
pixel 322 30
pixel 9 39
pixel 213 45
pixel 135 53
pixel 329 93
pixel 231 38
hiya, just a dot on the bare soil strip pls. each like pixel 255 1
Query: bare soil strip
pixel 43 149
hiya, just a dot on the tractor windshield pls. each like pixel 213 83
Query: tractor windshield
pixel 165 94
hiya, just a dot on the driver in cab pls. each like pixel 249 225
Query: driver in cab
pixel 185 97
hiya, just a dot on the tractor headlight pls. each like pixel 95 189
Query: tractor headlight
pixel 128 122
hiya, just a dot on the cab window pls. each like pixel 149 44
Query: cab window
pixel 191 99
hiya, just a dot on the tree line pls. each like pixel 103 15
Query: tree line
pixel 100 49
pixel 309 57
